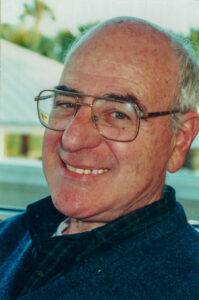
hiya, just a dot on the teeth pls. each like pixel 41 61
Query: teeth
pixel 95 171
pixel 86 171
pixel 79 171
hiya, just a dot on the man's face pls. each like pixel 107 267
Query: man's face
pixel 125 175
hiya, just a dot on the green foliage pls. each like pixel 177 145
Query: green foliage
pixel 194 39
pixel 195 158
pixel 55 47
pixel 62 42
pixel 36 10
pixel 30 39
pixel 83 28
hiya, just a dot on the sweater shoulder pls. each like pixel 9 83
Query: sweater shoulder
pixel 12 224
pixel 13 231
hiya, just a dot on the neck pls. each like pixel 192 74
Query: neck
pixel 78 226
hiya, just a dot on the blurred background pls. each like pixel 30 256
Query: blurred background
pixel 35 36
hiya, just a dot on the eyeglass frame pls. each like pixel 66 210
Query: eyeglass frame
pixel 138 109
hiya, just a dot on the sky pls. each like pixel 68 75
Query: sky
pixel 176 15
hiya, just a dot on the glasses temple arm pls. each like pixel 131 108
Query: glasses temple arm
pixel 143 115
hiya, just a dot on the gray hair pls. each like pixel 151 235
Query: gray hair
pixel 187 98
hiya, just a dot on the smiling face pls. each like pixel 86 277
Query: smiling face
pixel 95 179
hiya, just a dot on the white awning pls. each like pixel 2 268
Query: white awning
pixel 23 74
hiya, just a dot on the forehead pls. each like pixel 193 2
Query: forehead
pixel 131 58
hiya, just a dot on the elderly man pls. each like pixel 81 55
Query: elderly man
pixel 123 114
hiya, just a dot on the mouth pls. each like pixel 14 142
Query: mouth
pixel 85 171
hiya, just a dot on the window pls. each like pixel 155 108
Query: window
pixel 28 146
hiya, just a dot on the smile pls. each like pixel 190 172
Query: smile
pixel 85 171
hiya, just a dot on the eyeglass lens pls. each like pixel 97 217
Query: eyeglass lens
pixel 114 119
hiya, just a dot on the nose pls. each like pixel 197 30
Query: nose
pixel 81 133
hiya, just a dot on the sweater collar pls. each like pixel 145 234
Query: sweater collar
pixel 43 220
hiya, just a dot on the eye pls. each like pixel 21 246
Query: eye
pixel 65 104
pixel 120 115
pixel 64 101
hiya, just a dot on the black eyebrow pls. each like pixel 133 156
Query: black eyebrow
pixel 65 89
pixel 126 97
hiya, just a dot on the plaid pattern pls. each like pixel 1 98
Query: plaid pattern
pixel 54 257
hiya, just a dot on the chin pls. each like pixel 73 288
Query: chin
pixel 71 204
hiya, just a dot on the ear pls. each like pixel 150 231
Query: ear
pixel 182 141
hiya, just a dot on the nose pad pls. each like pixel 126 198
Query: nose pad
pixel 95 120
pixel 81 132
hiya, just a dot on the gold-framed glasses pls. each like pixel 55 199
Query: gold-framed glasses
pixel 116 120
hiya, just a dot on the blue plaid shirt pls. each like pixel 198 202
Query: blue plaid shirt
pixel 53 257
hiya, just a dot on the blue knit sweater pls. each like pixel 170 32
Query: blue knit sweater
pixel 161 262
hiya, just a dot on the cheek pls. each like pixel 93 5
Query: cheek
pixel 49 153
pixel 156 148
pixel 51 140
pixel 150 151
pixel 129 157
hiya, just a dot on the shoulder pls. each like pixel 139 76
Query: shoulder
pixel 157 268
pixel 167 262
pixel 13 231
pixel 13 225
